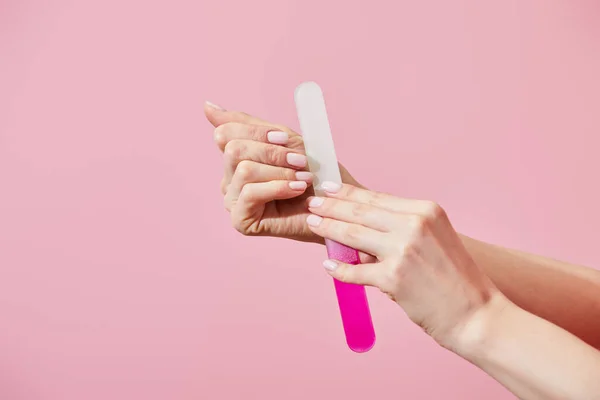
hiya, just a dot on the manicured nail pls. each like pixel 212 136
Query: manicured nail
pixel 304 176
pixel 314 220
pixel 297 160
pixel 316 202
pixel 331 187
pixel 298 185
pixel 330 265
pixel 277 137
pixel 213 105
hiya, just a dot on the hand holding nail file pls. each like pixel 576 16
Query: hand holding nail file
pixel 322 162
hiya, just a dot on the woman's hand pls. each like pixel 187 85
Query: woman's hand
pixel 420 260
pixel 266 181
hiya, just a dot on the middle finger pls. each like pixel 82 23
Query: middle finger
pixel 260 133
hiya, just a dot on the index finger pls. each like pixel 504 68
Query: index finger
pixel 218 116
pixel 381 200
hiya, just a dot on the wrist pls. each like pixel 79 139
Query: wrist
pixel 476 336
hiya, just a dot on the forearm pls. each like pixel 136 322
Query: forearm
pixel 532 357
pixel 564 294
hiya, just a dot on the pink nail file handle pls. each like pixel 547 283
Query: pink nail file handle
pixel 352 301
pixel 322 162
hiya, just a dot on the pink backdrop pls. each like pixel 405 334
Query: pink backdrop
pixel 120 276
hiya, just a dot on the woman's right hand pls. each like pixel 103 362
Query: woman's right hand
pixel 420 261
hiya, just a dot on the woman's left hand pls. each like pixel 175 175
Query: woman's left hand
pixel 420 263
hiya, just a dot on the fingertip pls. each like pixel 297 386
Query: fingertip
pixel 213 112
pixel 306 176
pixel 330 265
pixel 314 220
pixel 314 201
pixel 331 188
pixel 212 106
pixel 278 137
pixel 298 185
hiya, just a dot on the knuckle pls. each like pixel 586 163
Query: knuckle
pixel 351 232
pixel 239 226
pixel 245 195
pixel 343 274
pixel 296 142
pixel 433 211
pixel 390 279
pixel 419 224
pixel 426 221
pixel 233 150
pixel 219 135
pixel 360 210
pixel 253 131
pixel 274 155
pixel 349 190
pixel 398 270
pixel 288 174
pixel 410 253
pixel 245 170
pixel 282 189
pixel 377 198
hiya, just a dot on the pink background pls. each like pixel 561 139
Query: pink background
pixel 120 275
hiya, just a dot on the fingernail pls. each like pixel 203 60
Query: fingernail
pixel 304 176
pixel 330 265
pixel 314 220
pixel 316 202
pixel 298 185
pixel 213 105
pixel 297 160
pixel 331 187
pixel 277 137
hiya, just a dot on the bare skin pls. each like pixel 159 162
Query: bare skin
pixel 470 296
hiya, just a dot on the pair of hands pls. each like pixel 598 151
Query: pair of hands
pixel 409 248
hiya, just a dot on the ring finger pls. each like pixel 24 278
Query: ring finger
pixel 237 151
pixel 254 172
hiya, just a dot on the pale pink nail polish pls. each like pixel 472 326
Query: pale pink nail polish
pixel 314 220
pixel 213 105
pixel 298 185
pixel 316 202
pixel 330 265
pixel 304 176
pixel 331 187
pixel 297 160
pixel 277 137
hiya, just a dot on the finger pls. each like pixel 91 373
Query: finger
pixel 237 151
pixel 260 193
pixel 361 274
pixel 247 211
pixel 218 116
pixel 382 200
pixel 260 133
pixel 254 172
pixel 358 213
pixel 356 236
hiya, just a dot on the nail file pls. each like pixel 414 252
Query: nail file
pixel 322 162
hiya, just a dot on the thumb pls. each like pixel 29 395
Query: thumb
pixel 218 116
pixel 360 274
